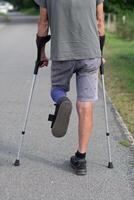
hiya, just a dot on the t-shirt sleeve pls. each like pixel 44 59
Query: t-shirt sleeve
pixel 99 1
pixel 41 3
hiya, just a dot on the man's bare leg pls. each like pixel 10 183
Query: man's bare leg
pixel 85 114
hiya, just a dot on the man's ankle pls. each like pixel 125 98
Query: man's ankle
pixel 80 155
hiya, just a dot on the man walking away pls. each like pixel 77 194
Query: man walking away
pixel 77 39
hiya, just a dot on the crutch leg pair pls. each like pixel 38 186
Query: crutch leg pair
pixel 17 162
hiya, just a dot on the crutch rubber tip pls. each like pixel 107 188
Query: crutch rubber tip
pixel 16 163
pixel 110 165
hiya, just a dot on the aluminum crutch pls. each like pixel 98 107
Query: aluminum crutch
pixel 110 164
pixel 40 45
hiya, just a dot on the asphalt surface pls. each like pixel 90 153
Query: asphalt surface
pixel 45 173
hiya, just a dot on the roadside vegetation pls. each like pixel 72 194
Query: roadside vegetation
pixel 23 4
pixel 119 70
pixel 125 143
pixel 125 25
pixel 5 17
pixel 119 53
pixel 30 11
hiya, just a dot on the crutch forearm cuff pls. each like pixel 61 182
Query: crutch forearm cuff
pixel 42 40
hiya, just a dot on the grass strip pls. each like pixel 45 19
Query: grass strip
pixel 119 76
pixel 125 143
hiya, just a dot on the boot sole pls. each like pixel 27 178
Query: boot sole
pixel 61 123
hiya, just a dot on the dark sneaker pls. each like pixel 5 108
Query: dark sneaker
pixel 61 117
pixel 79 165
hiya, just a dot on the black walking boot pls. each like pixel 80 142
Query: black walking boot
pixel 61 117
pixel 79 165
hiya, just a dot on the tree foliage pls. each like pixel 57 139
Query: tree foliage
pixel 118 6
pixel 110 5
pixel 23 3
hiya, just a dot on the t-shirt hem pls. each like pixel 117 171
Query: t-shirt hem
pixel 74 57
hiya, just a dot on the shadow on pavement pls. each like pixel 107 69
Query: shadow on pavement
pixel 12 151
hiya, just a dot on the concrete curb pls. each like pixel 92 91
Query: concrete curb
pixel 125 131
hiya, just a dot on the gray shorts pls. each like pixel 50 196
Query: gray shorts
pixel 86 77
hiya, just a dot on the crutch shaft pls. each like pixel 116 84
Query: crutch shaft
pixel 110 164
pixel 29 104
pixel 20 145
pixel 17 162
pixel 105 104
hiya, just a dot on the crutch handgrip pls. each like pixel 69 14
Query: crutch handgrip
pixel 102 67
pixel 40 42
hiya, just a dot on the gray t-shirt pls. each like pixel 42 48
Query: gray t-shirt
pixel 74 31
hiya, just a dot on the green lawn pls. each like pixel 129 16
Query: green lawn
pixel 119 76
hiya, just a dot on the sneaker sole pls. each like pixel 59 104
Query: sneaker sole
pixel 60 125
pixel 81 172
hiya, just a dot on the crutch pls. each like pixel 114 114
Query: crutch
pixel 40 44
pixel 110 164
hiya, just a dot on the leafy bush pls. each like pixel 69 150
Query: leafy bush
pixel 114 6
pixel 20 4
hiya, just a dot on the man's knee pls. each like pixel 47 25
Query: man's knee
pixel 84 107
pixel 57 93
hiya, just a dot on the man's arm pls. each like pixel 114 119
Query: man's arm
pixel 101 24
pixel 43 27
pixel 43 23
pixel 100 19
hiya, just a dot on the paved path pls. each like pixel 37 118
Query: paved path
pixel 44 173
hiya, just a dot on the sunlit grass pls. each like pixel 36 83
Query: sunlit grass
pixel 119 77
pixel 125 143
